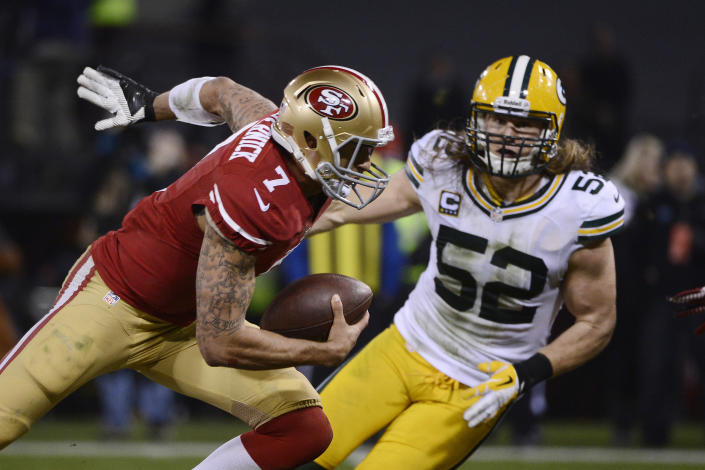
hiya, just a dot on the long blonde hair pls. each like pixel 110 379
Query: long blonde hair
pixel 572 155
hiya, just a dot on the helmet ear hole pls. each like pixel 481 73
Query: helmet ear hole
pixel 311 141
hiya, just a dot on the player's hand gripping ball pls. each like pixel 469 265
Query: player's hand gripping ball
pixel 302 310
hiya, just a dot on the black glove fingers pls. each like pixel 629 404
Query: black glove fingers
pixel 108 71
pixel 136 95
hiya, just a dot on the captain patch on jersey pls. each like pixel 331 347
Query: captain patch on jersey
pixel 449 203
pixel 492 286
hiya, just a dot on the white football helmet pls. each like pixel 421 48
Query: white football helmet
pixel 339 113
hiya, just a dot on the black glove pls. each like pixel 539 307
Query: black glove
pixel 129 102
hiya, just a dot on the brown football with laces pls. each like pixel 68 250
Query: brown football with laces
pixel 302 309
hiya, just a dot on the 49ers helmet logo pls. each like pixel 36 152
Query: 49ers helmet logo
pixel 331 102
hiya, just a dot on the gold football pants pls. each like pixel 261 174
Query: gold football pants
pixel 89 332
pixel 387 386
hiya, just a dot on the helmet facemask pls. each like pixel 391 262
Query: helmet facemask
pixel 517 155
pixel 339 181
pixel 527 93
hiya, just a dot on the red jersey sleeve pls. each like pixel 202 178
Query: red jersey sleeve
pixel 227 207
pixel 256 206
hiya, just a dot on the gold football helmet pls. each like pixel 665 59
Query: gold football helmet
pixel 342 115
pixel 522 87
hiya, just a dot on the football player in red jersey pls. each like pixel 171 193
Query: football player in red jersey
pixel 167 293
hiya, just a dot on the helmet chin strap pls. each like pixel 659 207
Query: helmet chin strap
pixel 343 187
pixel 289 144
pixel 330 137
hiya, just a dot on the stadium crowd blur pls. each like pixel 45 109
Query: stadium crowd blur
pixel 62 184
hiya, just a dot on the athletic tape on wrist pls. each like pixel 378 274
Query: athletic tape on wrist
pixel 185 103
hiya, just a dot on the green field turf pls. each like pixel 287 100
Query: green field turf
pixel 129 463
pixel 58 445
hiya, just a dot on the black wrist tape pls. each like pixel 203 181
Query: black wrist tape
pixel 533 370
pixel 149 105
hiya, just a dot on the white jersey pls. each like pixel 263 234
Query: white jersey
pixel 491 290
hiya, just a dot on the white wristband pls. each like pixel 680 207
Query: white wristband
pixel 185 103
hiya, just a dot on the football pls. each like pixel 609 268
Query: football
pixel 302 309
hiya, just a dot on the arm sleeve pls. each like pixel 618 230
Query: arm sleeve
pixel 228 212
pixel 603 215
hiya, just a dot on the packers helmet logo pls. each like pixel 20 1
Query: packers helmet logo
pixel 560 91
pixel 331 102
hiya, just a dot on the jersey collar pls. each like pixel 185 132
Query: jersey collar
pixel 478 195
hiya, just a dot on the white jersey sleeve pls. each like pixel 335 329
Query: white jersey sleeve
pixel 601 206
pixel 427 160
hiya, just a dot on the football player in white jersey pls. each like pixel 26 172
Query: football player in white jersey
pixel 520 227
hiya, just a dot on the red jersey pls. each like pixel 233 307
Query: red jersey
pixel 248 191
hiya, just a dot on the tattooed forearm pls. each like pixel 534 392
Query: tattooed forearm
pixel 224 284
pixel 241 106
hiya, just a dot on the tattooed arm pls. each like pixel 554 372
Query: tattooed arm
pixel 236 104
pixel 225 282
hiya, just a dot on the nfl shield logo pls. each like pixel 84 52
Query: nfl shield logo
pixel 110 298
pixel 497 214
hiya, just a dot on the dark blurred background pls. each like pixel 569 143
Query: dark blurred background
pixel 634 74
